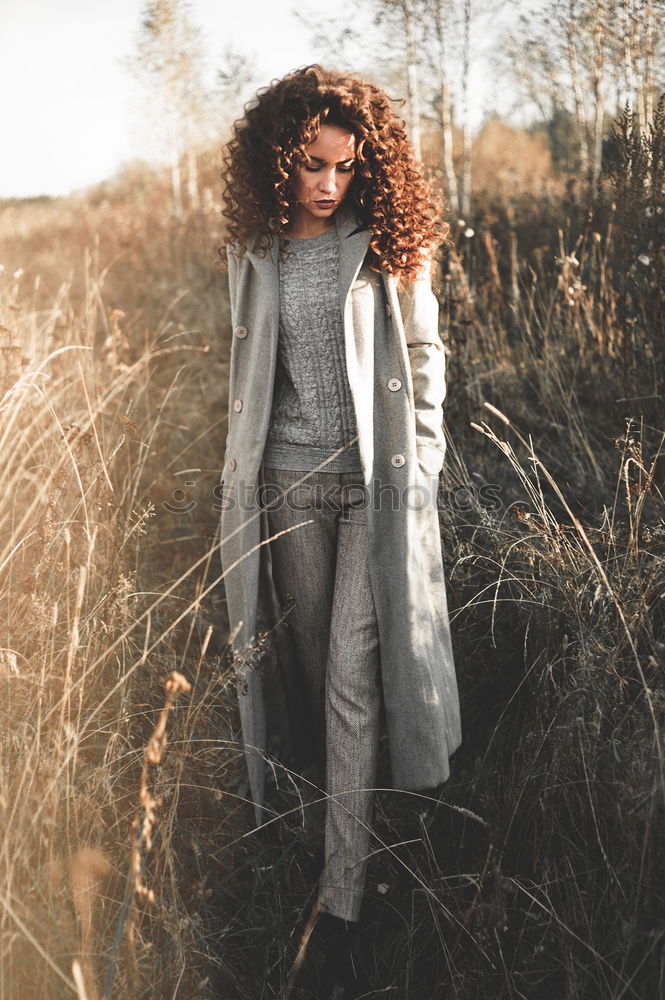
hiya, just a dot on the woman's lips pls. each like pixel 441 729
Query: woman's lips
pixel 325 202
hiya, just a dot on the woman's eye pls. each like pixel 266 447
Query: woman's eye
pixel 342 170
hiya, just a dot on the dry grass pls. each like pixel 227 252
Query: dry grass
pixel 537 870
pixel 99 599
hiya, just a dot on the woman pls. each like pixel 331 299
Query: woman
pixel 335 403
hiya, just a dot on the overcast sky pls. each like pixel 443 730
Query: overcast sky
pixel 68 107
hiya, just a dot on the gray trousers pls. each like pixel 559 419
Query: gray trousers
pixel 323 565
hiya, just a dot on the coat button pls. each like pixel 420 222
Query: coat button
pixel 394 384
pixel 389 311
pixel 240 332
pixel 231 464
pixel 398 461
pixel 237 405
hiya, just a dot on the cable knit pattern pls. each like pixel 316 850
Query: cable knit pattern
pixel 312 413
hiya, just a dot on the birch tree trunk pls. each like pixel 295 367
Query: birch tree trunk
pixel 466 125
pixel 174 163
pixel 572 27
pixel 598 101
pixel 628 71
pixel 168 60
pixel 447 161
pixel 636 43
pixel 192 179
pixel 648 55
pixel 447 148
pixel 412 77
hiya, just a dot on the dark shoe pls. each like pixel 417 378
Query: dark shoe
pixel 339 979
pixel 333 941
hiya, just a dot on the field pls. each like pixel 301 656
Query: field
pixel 129 865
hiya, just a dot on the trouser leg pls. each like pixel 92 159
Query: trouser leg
pixel 303 564
pixel 352 721
pixel 324 566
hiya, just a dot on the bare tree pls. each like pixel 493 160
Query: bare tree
pixel 648 58
pixel 235 76
pixel 628 68
pixel 596 88
pixel 236 83
pixel 466 122
pixel 572 31
pixel 168 64
pixel 450 28
pixel 438 11
pixel 530 60
pixel 580 54
pixel 412 75
pixel 562 52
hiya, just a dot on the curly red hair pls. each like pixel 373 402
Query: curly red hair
pixel 389 192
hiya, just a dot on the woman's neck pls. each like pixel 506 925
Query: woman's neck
pixel 305 226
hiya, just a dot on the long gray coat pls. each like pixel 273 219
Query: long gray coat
pixel 396 369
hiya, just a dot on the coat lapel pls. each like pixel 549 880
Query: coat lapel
pixel 358 334
pixel 266 268
pixel 262 291
pixel 353 244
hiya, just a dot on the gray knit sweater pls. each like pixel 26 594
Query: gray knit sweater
pixel 312 409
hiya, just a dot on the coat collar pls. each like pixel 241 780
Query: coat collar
pixel 354 240
pixel 348 225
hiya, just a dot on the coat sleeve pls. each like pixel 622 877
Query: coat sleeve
pixel 420 315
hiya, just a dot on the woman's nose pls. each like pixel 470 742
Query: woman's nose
pixel 327 182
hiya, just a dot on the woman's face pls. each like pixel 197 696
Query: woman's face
pixel 322 183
